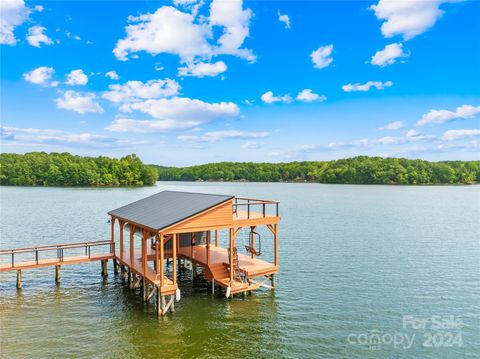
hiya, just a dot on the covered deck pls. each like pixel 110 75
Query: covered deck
pixel 171 228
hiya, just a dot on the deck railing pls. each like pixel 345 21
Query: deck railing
pixel 60 248
pixel 254 204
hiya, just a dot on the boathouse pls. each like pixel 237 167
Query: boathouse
pixel 152 237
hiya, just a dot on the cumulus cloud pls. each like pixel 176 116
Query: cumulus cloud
pixel 41 76
pixel 307 95
pixel 169 30
pixel 35 136
pixel 367 86
pixel 442 116
pixel 285 19
pixel 452 135
pixel 407 18
pixel 321 57
pixel 78 102
pixel 36 36
pixel 76 77
pixel 389 55
pixel 268 97
pixel 392 126
pixel 112 75
pixel 177 113
pixel 133 91
pixel 202 69
pixel 216 136
pixel 12 14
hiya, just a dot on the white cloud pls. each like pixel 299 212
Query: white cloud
pixel 71 36
pixel 26 136
pixel 235 22
pixel 38 8
pixel 36 36
pixel 388 55
pixel 410 136
pixel 452 135
pixel 321 57
pixel 285 19
pixel 392 126
pixel 202 69
pixel 307 95
pixel 442 116
pixel 76 77
pixel 407 18
pixel 137 91
pixel 177 113
pixel 216 136
pixel 366 86
pixel 268 97
pixel 12 14
pixel 78 102
pixel 112 75
pixel 169 30
pixel 251 145
pixel 40 76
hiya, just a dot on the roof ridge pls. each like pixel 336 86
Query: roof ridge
pixel 207 194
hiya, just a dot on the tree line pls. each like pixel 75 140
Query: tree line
pixel 65 169
pixel 357 170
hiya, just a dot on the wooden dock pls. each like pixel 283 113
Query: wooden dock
pixel 174 227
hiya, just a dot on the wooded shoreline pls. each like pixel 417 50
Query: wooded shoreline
pixel 67 170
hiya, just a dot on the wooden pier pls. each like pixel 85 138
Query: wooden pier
pixel 172 227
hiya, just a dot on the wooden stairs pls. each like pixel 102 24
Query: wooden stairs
pixel 220 273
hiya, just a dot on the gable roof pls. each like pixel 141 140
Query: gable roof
pixel 166 208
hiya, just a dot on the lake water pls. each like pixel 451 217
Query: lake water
pixel 354 261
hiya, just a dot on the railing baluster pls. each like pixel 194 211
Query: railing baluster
pixel 277 208
pixel 264 210
pixel 36 254
pixel 13 259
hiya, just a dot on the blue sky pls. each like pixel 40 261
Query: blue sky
pixel 189 81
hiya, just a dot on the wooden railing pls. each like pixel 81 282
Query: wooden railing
pixel 250 203
pixel 60 248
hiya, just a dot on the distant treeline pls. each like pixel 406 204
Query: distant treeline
pixel 357 170
pixel 64 169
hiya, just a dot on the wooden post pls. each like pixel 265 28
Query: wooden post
pixel 144 264
pixel 156 255
pixel 19 279
pixel 121 238
pixel 231 257
pixel 159 306
pixel 57 274
pixel 163 304
pixel 252 240
pixel 115 266
pixel 162 257
pixel 113 234
pixel 104 267
pixel 174 258
pixel 207 247
pixel 132 244
pixel 216 238
pixel 275 243
pixel 172 306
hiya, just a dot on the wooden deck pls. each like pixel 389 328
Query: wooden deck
pixel 215 261
pixel 151 276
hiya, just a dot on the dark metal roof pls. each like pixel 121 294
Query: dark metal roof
pixel 165 208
